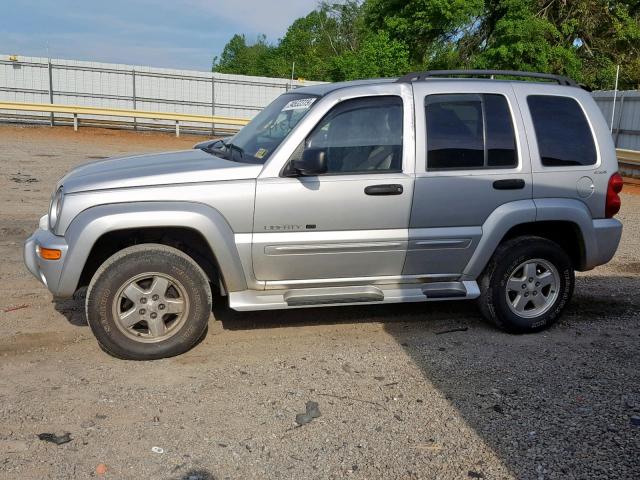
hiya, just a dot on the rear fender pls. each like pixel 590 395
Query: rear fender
pixel 512 214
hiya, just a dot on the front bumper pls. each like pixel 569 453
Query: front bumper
pixel 48 272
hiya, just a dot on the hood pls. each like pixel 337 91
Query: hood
pixel 187 166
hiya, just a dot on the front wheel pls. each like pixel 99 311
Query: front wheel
pixel 526 285
pixel 147 302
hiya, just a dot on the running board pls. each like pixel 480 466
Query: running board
pixel 321 296
pixel 446 290
pixel 353 295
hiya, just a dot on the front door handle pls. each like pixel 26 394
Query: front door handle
pixel 390 189
pixel 509 184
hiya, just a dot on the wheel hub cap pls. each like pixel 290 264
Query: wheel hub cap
pixel 532 288
pixel 150 307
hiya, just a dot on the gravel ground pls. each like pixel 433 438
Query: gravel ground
pixel 398 398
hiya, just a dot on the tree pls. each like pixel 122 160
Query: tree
pixel 315 41
pixel 515 37
pixel 377 56
pixel 584 39
pixel 238 57
pixel 312 42
pixel 426 27
pixel 606 33
pixel 308 43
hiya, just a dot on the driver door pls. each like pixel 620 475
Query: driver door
pixel 352 221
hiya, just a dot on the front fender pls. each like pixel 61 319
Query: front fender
pixel 87 227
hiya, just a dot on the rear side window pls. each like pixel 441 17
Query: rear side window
pixel 562 130
pixel 469 131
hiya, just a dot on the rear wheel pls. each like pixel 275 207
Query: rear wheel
pixel 526 285
pixel 148 301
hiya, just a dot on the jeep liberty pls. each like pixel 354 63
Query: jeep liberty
pixel 441 185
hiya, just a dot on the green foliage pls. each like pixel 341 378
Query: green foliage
pixel 313 42
pixel 238 57
pixel 584 39
pixel 521 40
pixel 609 32
pixel 377 56
pixel 425 26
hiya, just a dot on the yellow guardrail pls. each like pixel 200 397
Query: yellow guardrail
pixel 624 156
pixel 77 110
pixel 628 156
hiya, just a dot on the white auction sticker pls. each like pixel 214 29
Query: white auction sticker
pixel 300 104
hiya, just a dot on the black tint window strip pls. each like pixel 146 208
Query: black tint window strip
pixel 501 141
pixel 484 130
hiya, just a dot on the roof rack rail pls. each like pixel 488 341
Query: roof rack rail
pixel 416 76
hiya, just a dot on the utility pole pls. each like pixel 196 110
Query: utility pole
pixel 293 68
pixel 615 95
pixel 50 73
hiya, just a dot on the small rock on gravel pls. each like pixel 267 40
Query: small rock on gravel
pixel 53 438
pixel 312 411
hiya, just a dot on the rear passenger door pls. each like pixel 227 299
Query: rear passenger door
pixel 471 158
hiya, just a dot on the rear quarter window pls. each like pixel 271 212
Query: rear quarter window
pixel 563 133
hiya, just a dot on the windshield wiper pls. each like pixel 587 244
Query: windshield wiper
pixel 230 146
pixel 221 148
pixel 225 150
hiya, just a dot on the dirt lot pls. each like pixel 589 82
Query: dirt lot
pixel 399 398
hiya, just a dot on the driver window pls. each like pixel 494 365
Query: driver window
pixel 361 136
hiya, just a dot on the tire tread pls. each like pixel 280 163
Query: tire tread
pixel 146 250
pixel 492 312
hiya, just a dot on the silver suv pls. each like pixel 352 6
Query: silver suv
pixel 424 188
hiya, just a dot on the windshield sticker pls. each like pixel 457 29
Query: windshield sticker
pixel 300 104
pixel 261 153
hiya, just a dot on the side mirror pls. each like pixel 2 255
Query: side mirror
pixel 313 162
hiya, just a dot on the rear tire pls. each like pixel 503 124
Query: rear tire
pixel 147 302
pixel 526 285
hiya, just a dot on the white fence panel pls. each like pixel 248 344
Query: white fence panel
pixel 73 82
pixel 626 124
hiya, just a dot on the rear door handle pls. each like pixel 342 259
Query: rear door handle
pixel 509 184
pixel 390 189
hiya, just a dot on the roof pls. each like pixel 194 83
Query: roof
pixel 324 88
pixel 442 75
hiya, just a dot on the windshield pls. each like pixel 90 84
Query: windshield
pixel 257 141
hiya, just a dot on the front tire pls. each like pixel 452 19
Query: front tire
pixel 147 302
pixel 526 285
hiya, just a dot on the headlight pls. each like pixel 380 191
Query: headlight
pixel 55 208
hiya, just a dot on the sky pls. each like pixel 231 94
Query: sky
pixel 184 34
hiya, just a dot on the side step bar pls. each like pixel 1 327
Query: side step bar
pixel 322 296
pixel 446 290
pixel 353 295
